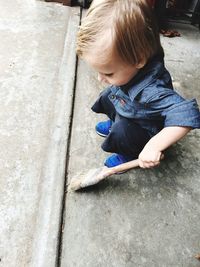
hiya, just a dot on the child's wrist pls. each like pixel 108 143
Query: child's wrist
pixel 151 145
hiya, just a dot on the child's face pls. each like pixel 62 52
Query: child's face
pixel 113 71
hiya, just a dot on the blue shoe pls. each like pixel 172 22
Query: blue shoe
pixel 115 160
pixel 103 128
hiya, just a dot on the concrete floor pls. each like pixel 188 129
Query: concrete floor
pixel 147 218
pixel 144 217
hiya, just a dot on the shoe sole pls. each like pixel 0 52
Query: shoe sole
pixel 102 135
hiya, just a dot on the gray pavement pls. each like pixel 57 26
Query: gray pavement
pixel 144 218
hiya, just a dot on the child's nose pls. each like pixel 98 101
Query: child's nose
pixel 101 78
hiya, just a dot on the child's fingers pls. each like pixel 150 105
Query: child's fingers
pixel 144 164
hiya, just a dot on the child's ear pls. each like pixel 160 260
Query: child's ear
pixel 140 65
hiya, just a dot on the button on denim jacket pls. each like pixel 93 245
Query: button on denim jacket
pixel 150 100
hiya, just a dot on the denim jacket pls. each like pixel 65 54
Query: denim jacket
pixel 150 100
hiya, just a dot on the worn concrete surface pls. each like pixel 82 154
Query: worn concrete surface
pixel 138 219
pixel 36 86
pixel 144 218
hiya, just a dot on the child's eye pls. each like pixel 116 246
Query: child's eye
pixel 109 74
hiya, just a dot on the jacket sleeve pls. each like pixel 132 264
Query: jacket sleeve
pixel 168 105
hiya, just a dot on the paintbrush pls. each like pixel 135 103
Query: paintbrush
pixel 94 176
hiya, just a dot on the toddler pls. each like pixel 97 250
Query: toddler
pixel 120 40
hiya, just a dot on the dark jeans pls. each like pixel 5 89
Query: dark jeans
pixel 126 137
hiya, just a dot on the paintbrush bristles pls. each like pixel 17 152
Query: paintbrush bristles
pixel 92 177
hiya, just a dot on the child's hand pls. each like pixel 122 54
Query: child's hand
pixel 149 157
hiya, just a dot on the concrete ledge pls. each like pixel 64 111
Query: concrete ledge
pixel 37 76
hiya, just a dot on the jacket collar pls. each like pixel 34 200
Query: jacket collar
pixel 149 73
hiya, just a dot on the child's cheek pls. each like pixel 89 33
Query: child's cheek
pixel 120 82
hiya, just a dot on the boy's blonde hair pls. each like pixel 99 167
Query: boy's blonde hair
pixel 134 33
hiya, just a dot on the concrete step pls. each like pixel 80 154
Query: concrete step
pixel 37 55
